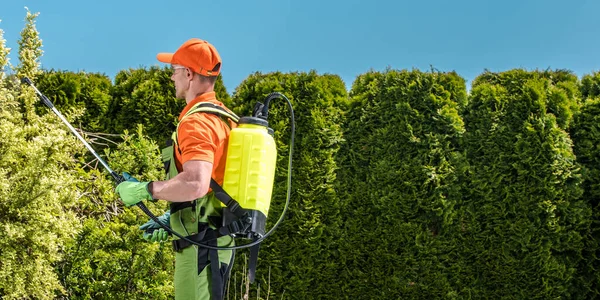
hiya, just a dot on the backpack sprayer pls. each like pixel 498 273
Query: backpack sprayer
pixel 248 178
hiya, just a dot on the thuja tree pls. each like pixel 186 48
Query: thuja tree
pixel 522 219
pixel 300 258
pixel 590 86
pixel 89 92
pixel 37 179
pixel 398 172
pixel 147 97
pixel 586 137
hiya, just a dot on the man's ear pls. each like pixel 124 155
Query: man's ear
pixel 189 74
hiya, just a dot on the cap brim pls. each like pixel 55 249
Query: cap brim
pixel 165 57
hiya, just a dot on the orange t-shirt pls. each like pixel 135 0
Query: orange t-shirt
pixel 203 136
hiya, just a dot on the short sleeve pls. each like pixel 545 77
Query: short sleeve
pixel 198 137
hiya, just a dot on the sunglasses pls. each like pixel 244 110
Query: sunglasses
pixel 175 68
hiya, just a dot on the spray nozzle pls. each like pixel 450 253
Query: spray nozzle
pixel 26 80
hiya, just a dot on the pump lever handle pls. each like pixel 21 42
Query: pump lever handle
pixel 257 112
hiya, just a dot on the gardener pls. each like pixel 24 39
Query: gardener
pixel 198 153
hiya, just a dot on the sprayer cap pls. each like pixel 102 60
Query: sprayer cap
pixel 254 121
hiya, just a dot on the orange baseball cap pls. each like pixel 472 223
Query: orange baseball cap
pixel 196 54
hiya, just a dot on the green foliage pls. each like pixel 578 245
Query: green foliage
pixel 65 234
pixel 108 259
pixel 30 48
pixel 138 155
pixel 29 54
pixel 68 90
pixel 302 253
pixel 4 51
pixel 590 85
pixel 455 85
pixel 147 97
pixel 562 101
pixel 399 167
pixel 35 204
pixel 37 185
pixel 221 91
pixel 522 219
pixel 586 137
pixel 585 134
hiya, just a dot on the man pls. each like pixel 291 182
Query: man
pixel 198 154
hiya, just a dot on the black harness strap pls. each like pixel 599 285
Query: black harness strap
pixel 209 236
pixel 201 236
pixel 177 206
pixel 215 268
pixel 232 204
pixel 253 261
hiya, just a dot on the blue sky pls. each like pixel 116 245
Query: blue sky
pixel 346 38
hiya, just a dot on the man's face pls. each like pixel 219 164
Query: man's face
pixel 179 77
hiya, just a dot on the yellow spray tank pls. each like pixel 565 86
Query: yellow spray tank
pixel 250 170
pixel 249 176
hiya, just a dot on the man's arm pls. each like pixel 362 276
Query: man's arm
pixel 192 183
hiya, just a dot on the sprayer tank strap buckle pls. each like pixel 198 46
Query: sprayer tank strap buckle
pixel 238 226
pixel 201 236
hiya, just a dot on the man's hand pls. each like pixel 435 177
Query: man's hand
pixel 154 232
pixel 132 191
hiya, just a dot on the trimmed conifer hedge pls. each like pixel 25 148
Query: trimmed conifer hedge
pixel 522 217
pixel 69 90
pixel 585 134
pixel 398 182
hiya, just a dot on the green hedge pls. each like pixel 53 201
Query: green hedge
pixel 590 85
pixel 405 188
pixel 585 134
pixel 399 167
pixel 69 90
pixel 522 219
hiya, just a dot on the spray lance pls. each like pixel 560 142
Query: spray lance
pixel 241 175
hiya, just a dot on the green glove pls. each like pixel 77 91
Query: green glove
pixel 154 232
pixel 132 191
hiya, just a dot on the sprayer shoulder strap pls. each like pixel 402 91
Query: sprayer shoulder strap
pixel 219 192
pixel 212 108
pixel 206 107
